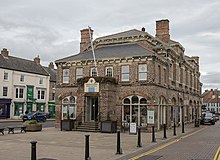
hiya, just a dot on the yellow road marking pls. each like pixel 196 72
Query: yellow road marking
pixel 165 145
pixel 217 155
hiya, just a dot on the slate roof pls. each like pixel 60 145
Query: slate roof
pixel 52 73
pixel 111 51
pixel 23 65
pixel 132 32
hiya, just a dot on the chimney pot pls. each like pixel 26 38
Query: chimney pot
pixel 143 29
pixel 4 52
pixel 51 65
pixel 37 60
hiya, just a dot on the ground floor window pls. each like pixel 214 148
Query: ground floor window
pixel 134 110
pixel 40 107
pixel 18 109
pixel 69 108
pixel 29 107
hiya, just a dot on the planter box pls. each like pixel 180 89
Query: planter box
pixel 34 127
pixel 109 126
pixel 67 125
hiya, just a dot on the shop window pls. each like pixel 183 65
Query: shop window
pixel 18 109
pixel 69 108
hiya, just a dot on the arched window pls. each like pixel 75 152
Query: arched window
pixel 69 107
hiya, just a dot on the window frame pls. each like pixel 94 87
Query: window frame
pixel 21 78
pixel 66 75
pixel 124 73
pixel 5 92
pixel 107 73
pixel 41 94
pixel 142 72
pixel 79 75
pixel 19 92
pixel 5 76
pixel 92 72
pixel 66 105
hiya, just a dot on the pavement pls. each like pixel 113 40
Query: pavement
pixel 53 144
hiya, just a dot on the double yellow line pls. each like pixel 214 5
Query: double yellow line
pixel 165 145
pixel 217 155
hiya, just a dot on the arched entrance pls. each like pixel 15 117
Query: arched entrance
pixel 134 110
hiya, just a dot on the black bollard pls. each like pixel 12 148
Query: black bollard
pixel 183 131
pixel 119 150
pixel 164 131
pixel 33 150
pixel 153 135
pixel 87 147
pixel 139 137
pixel 174 128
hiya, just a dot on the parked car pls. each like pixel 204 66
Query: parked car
pixel 207 118
pixel 39 116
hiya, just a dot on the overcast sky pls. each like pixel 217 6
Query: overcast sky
pixel 51 28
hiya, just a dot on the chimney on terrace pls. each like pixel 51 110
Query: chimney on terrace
pixel 37 60
pixel 162 30
pixel 4 52
pixel 85 39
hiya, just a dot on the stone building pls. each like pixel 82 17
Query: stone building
pixel 134 75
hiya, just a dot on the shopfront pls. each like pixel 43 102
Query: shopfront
pixel 18 108
pixel 51 109
pixel 5 108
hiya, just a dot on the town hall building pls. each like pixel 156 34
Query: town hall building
pixel 129 76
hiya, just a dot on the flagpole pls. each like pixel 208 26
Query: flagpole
pixel 93 52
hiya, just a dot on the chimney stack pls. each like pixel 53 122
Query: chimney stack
pixel 37 60
pixel 4 52
pixel 162 30
pixel 51 66
pixel 85 39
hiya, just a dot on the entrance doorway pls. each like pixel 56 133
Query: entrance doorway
pixel 92 108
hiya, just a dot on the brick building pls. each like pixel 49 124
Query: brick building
pixel 133 73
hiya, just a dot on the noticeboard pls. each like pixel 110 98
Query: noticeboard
pixel 133 128
pixel 150 117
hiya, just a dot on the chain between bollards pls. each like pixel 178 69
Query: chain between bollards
pixel 87 148
pixel 164 131
pixel 153 134
pixel 119 150
pixel 33 150
pixel 139 137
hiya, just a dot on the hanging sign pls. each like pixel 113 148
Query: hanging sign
pixel 150 117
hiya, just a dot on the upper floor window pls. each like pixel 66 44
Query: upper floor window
pixel 109 71
pixel 5 76
pixel 53 96
pixel 19 92
pixel 93 72
pixel 65 75
pixel 22 78
pixel 125 73
pixel 41 81
pixel 142 68
pixel 5 91
pixel 79 73
pixel 40 94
